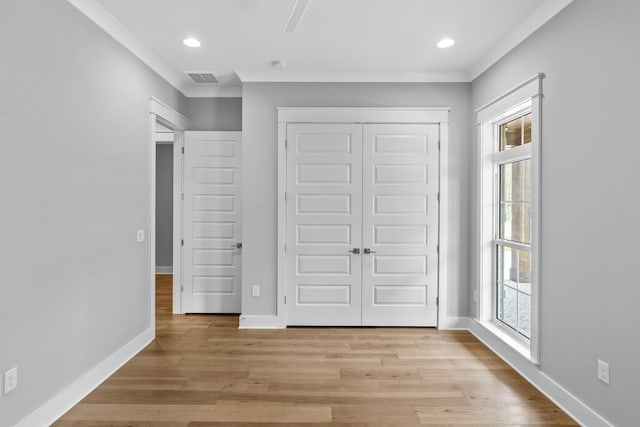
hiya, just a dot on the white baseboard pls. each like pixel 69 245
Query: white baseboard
pixel 261 322
pixel 573 406
pixel 454 323
pixel 161 269
pixel 58 405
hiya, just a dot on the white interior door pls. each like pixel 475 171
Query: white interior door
pixel 212 212
pixel 400 225
pixel 324 215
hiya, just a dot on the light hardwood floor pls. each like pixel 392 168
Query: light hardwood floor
pixel 202 371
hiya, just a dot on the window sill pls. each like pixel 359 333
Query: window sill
pixel 499 332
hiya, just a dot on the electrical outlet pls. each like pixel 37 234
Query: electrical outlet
pixel 10 380
pixel 140 236
pixel 255 291
pixel 603 371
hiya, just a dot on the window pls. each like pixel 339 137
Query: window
pixel 512 211
pixel 509 182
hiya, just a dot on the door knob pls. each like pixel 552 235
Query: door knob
pixel 237 245
pixel 368 251
pixel 355 251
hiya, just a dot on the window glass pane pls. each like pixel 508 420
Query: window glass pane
pixel 514 216
pixel 524 314
pixel 514 289
pixel 508 305
pixel 527 129
pixel 515 133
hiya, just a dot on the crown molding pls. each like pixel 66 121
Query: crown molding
pixel 213 92
pixel 531 24
pixel 291 76
pixel 93 10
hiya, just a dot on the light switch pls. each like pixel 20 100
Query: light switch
pixel 603 371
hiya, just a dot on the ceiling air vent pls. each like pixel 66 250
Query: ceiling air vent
pixel 203 78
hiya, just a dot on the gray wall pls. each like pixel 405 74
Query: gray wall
pixel 590 197
pixel 74 173
pixel 164 205
pixel 220 114
pixel 260 170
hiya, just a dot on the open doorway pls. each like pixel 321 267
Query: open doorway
pixel 166 130
pixel 164 219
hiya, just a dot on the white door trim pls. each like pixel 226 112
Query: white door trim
pixel 178 190
pixel 363 115
pixel 438 116
pixel 159 111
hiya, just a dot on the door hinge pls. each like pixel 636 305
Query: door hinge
pixel 438 197
pixel 285 247
pixel 285 299
pixel 182 196
pixel 181 288
pixel 439 144
pixel 438 249
pixel 285 196
pixel 437 300
pixel 182 242
pixel 182 150
pixel 286 144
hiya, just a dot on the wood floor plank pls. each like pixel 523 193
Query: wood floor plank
pixel 226 412
pixel 309 373
pixel 144 383
pixel 243 424
pixel 202 371
pixel 154 397
pixel 111 423
pixel 375 413
pixel 502 415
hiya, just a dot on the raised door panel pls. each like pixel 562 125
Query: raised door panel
pixel 324 214
pixel 400 225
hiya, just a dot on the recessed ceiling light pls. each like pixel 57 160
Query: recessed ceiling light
pixel 279 64
pixel 445 43
pixel 191 42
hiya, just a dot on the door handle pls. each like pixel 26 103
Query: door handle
pixel 368 251
pixel 355 251
pixel 237 245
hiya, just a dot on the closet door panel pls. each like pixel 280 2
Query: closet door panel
pixel 324 223
pixel 400 225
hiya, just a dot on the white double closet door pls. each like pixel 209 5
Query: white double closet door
pixel 362 224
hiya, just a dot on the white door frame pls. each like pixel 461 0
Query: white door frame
pixel 439 116
pixel 160 112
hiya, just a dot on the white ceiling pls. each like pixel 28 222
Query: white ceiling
pixel 337 40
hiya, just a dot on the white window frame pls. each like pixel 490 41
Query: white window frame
pixel 520 100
